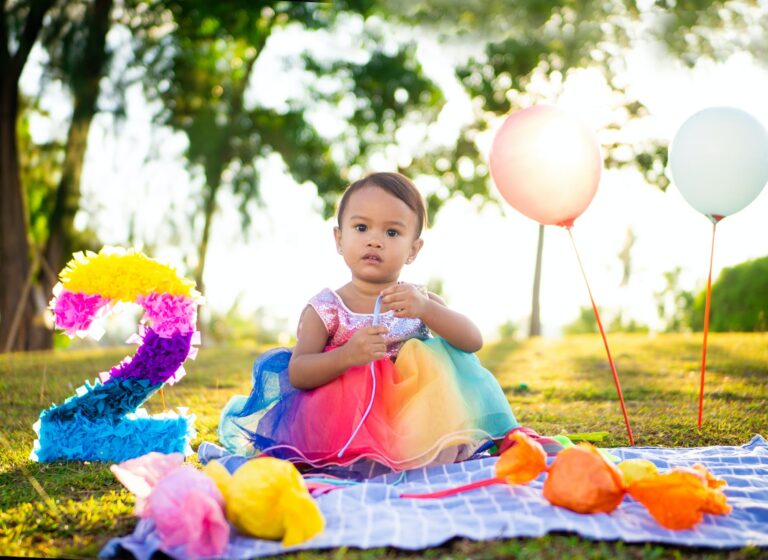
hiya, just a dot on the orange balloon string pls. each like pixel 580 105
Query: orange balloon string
pixel 605 341
pixel 706 325
pixel 457 490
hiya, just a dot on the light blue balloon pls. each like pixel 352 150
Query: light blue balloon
pixel 719 160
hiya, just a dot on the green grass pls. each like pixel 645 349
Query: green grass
pixel 554 385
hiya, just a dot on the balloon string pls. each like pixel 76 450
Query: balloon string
pixel 375 322
pixel 453 491
pixel 706 325
pixel 605 341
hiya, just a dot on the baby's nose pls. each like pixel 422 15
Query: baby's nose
pixel 374 241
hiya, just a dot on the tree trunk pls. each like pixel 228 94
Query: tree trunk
pixel 535 329
pixel 85 87
pixel 214 168
pixel 14 244
pixel 16 312
pixel 209 208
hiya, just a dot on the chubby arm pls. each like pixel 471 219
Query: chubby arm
pixel 454 327
pixel 310 367
pixel 457 329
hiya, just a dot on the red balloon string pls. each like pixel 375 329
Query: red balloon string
pixel 605 342
pixel 706 324
pixel 457 490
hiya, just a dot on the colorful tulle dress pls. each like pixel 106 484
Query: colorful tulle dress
pixel 425 403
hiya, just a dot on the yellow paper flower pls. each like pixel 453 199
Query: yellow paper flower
pixel 267 498
pixel 637 469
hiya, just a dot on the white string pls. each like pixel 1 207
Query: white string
pixel 376 309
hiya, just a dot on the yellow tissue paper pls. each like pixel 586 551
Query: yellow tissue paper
pixel 637 469
pixel 267 498
pixel 116 273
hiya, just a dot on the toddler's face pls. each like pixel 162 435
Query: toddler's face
pixel 377 235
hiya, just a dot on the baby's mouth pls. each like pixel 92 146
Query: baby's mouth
pixel 372 258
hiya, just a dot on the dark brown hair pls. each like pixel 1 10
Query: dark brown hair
pixel 395 184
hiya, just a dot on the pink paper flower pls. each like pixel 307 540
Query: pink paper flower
pixel 141 475
pixel 185 504
pixel 188 510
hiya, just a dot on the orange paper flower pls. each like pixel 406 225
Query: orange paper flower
pixel 678 499
pixel 522 462
pixel 581 480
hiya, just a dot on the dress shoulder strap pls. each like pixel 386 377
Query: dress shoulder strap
pixel 326 304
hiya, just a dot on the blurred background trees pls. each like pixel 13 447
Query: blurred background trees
pixel 739 299
pixel 197 62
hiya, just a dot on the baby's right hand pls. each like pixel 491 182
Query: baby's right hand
pixel 366 345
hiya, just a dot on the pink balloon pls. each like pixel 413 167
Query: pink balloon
pixel 546 164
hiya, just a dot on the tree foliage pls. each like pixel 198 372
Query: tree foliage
pixel 201 64
pixel 585 323
pixel 198 61
pixel 531 48
pixel 673 303
pixel 739 299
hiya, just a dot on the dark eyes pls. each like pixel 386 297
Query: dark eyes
pixel 363 228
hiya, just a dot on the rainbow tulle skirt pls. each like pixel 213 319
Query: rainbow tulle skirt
pixel 435 404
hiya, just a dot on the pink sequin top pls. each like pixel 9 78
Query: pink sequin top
pixel 341 323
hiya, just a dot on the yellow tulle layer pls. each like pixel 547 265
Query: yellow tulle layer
pixel 123 275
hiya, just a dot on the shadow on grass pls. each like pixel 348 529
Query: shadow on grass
pixel 59 481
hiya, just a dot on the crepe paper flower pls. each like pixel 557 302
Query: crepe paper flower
pixel 679 498
pixel 185 505
pixel 566 442
pixel 637 469
pixel 187 508
pixel 552 446
pixel 711 480
pixel 141 475
pixel 119 274
pixel 75 311
pixel 523 460
pixel 526 463
pixel 267 498
pixel 169 314
pixel 580 479
pixel 583 480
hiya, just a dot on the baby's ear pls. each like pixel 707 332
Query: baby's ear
pixel 415 248
pixel 337 237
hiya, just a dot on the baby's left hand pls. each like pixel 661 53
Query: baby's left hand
pixel 405 299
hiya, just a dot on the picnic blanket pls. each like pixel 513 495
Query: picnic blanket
pixel 371 514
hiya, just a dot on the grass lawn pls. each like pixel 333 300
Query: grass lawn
pixel 554 385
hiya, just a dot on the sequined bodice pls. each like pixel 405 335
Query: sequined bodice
pixel 342 323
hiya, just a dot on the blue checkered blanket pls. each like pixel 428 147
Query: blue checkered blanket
pixel 371 514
